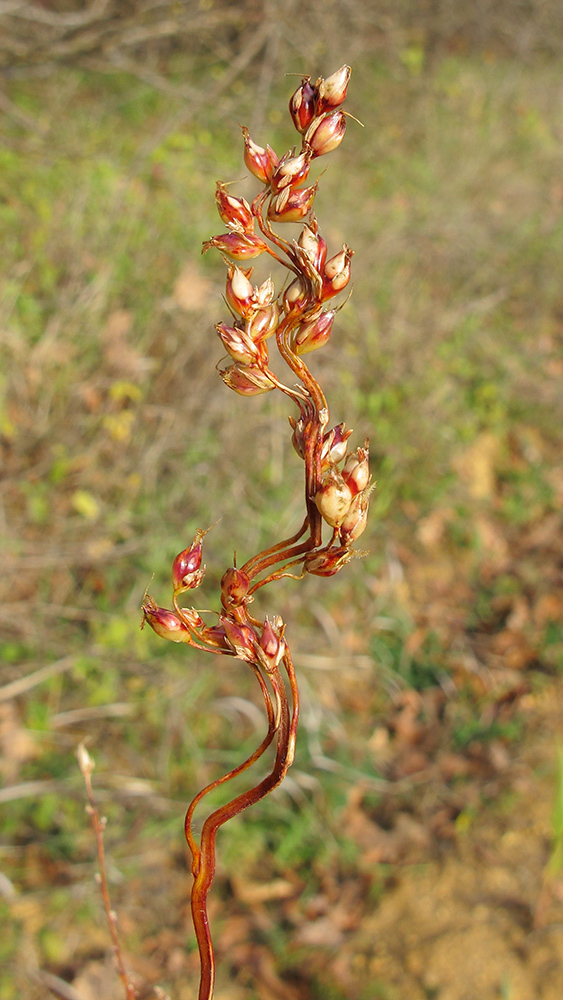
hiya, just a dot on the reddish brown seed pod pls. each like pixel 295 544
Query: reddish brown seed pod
pixel 166 624
pixel 235 585
pixel 291 171
pixel 328 561
pixel 247 380
pixel 292 206
pixel 261 162
pixel 302 105
pixel 237 246
pixel 233 211
pixel 314 334
pixel 238 344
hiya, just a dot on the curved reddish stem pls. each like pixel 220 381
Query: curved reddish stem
pixel 203 879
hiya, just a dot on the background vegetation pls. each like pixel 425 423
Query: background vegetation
pixel 416 847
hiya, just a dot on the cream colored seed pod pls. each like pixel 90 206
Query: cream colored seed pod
pixel 334 498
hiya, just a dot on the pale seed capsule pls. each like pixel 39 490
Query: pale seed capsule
pixel 337 273
pixel 239 292
pixel 335 443
pixel 334 498
pixel 355 522
pixel 332 91
pixel 295 295
pixel 314 245
pixel 298 436
pixel 356 469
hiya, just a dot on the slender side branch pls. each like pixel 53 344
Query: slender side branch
pixel 86 765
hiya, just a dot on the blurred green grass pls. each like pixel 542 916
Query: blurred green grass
pixel 118 441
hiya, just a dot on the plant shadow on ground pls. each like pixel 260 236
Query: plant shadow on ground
pixel 414 832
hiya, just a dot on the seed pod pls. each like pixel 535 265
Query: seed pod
pixel 326 133
pixel 354 524
pixel 247 380
pixel 165 623
pixel 337 273
pixel 263 323
pixel 298 436
pixel 356 469
pixel 265 293
pixel 335 443
pixel 239 292
pixel 187 571
pixel 291 206
pixel 234 211
pixel 327 563
pixel 315 334
pixel 313 244
pixel 261 162
pixel 234 588
pixel 291 171
pixel 332 91
pixel 241 639
pixel 271 646
pixel 237 343
pixel 334 498
pixel 237 246
pixel 302 105
pixel 295 295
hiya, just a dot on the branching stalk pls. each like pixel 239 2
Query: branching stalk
pixel 337 482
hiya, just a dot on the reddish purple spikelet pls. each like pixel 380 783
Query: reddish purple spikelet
pixel 235 585
pixel 238 246
pixel 165 623
pixel 234 212
pixel 302 105
pixel 261 162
